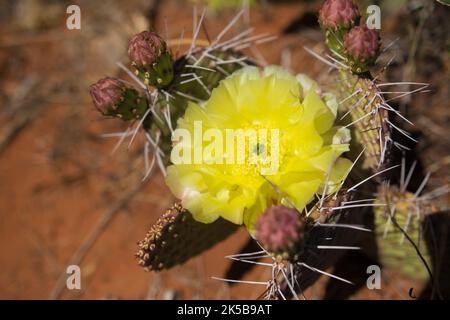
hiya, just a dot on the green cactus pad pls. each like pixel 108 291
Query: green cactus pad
pixel 395 250
pixel 360 103
pixel 159 74
pixel 131 107
pixel 177 237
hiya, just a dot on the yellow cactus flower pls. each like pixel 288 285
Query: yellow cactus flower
pixel 264 137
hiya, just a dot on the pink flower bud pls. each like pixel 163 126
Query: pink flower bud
pixel 144 48
pixel 362 44
pixel 338 13
pixel 106 93
pixel 278 228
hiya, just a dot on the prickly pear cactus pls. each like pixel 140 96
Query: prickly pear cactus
pixel 331 192
pixel 398 214
pixel 403 218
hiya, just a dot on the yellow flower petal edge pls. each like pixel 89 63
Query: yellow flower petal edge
pixel 307 147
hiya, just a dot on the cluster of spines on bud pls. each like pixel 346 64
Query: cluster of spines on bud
pixel 356 44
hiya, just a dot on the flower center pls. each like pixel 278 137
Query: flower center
pixel 257 152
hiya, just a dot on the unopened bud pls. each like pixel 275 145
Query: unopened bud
pixel 148 53
pixel 112 98
pixel 279 228
pixel 106 93
pixel 362 47
pixel 337 14
pixel 145 48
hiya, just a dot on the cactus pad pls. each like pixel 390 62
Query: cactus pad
pixel 394 249
pixel 177 237
pixel 361 108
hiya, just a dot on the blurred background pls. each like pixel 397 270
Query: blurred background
pixel 66 198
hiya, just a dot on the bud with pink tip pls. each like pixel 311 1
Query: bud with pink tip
pixel 106 93
pixel 145 48
pixel 279 229
pixel 362 47
pixel 149 55
pixel 112 98
pixel 338 14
